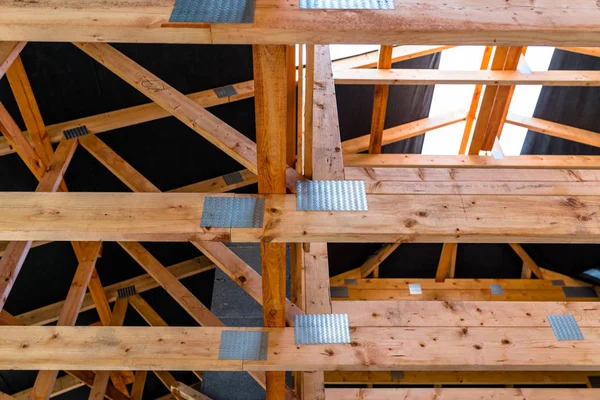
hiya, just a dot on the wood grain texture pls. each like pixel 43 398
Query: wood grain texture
pixel 461 394
pixel 379 101
pixel 9 51
pixel 555 129
pixel 448 249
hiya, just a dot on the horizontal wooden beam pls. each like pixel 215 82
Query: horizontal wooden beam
pixel 456 377
pixel 461 394
pixel 372 348
pixel 466 161
pixel 478 77
pixel 390 218
pixel 551 23
pixel 404 131
pixel 399 53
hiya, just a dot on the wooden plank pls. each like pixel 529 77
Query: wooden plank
pixel 449 283
pixel 21 88
pixel 590 51
pixel 472 174
pixel 62 385
pixel 456 377
pixel 467 348
pixel 98 295
pixel 271 113
pixel 399 53
pixel 379 101
pixel 137 389
pixel 218 184
pixel 187 393
pixel 445 263
pixel 430 22
pixel 555 129
pixel 405 131
pixel 479 77
pixel 190 113
pixel 426 218
pixel 485 61
pixel 466 161
pixel 461 394
pixel 3 245
pixel 9 51
pixel 44 381
pixel 368 266
pixel 491 314
pixel 326 144
pixel 87 377
pixel 48 314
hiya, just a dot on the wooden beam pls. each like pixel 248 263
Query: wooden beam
pixel 590 51
pixel 176 217
pixel 466 161
pixel 527 260
pixel 379 101
pixel 137 390
pixel 440 348
pixel 485 62
pixel 555 129
pixel 87 377
pixel 494 105
pixel 456 377
pixel 68 316
pixel 271 115
pixel 448 250
pixel 442 77
pixel 21 88
pixel 373 262
pixel 62 385
pixel 187 393
pixel 219 184
pixel 461 394
pixel 404 131
pixel 399 53
pixel 9 51
pixel 457 22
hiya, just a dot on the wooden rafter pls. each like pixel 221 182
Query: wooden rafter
pixel 372 263
pixel 9 51
pixel 379 101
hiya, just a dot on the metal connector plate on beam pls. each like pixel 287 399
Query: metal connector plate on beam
pixel 565 327
pixel 321 329
pixel 348 4
pixel 76 132
pixel 331 196
pixel 127 291
pixel 243 345
pixel 579 292
pixel 225 91
pixel 414 288
pixel 496 288
pixel 233 212
pixel 339 292
pixel 214 11
pixel 233 178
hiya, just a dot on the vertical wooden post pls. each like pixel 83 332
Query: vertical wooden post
pixel 271 97
pixel 380 102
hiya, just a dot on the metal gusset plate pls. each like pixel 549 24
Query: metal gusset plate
pixel 565 327
pixel 127 291
pixel 214 11
pixel 349 4
pixel 243 345
pixel 557 282
pixel 233 178
pixel 321 329
pixel 579 291
pixel 414 288
pixel 233 212
pixel 340 292
pixel 331 196
pixel 496 288
pixel 225 91
pixel 76 132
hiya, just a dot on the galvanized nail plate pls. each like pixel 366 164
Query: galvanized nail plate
pixel 496 288
pixel 349 4
pixel 243 345
pixel 321 329
pixel 76 132
pixel 565 327
pixel 233 212
pixel 215 11
pixel 414 288
pixel 225 91
pixel 331 196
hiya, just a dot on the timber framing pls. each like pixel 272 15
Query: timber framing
pixel 452 331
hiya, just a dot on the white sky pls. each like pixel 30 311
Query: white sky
pixel 447 98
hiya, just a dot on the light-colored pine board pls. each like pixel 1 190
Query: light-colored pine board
pixel 399 53
pixel 9 51
pixel 379 101
pixel 555 129
pixel 461 394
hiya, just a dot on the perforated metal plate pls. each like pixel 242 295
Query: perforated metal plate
pixel 414 288
pixel 321 329
pixel 233 212
pixel 340 292
pixel 496 288
pixel 557 282
pixel 331 196
pixel 351 281
pixel 225 91
pixel 579 291
pixel 215 11
pixel 126 292
pixel 233 178
pixel 76 132
pixel 349 4
pixel 398 375
pixel 565 327
pixel 243 345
